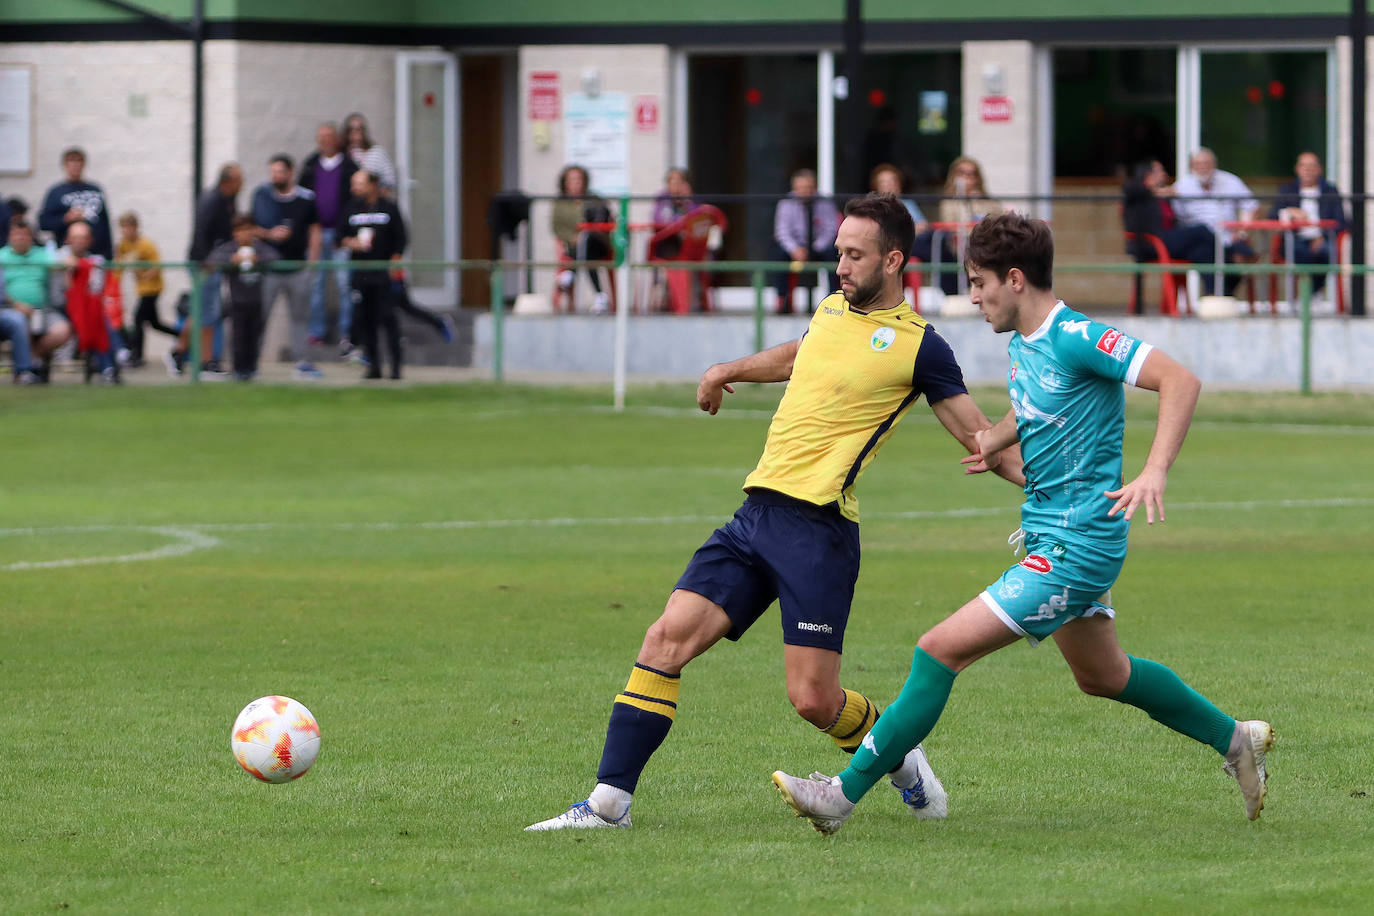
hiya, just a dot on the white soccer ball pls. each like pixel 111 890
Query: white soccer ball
pixel 275 739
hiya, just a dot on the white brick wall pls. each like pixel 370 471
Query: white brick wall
pixel 1002 148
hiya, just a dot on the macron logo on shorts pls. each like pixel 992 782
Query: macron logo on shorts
pixel 816 627
pixel 1037 564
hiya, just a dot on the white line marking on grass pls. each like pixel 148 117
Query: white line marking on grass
pixel 192 537
pixel 185 541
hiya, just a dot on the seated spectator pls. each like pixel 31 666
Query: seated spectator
pixel 14 327
pixel 134 246
pixel 242 259
pixel 576 205
pixel 673 202
pixel 886 178
pixel 1311 198
pixel 82 284
pixel 804 229
pixel 367 154
pixel 1146 211
pixel 77 200
pixel 1208 196
pixel 965 201
pixel 26 267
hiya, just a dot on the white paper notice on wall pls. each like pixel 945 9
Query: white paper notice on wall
pixel 598 139
pixel 16 119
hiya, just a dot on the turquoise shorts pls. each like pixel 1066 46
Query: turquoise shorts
pixel 1050 586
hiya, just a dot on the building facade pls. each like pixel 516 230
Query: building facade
pixel 1055 103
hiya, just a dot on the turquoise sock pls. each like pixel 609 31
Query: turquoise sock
pixel 1166 699
pixel 902 725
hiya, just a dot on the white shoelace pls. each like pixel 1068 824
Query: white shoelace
pixel 1017 542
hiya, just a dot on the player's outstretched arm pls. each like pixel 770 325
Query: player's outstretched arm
pixel 771 365
pixel 1178 390
pixel 967 423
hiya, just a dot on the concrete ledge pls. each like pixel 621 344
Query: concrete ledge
pixel 1246 352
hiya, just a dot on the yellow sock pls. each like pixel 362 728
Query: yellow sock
pixel 652 691
pixel 856 717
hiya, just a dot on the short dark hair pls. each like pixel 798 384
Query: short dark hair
pixel 73 152
pixel 18 222
pixel 240 220
pixel 896 231
pixel 284 160
pixel 999 243
pixel 227 171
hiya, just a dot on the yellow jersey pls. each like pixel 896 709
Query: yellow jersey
pixel 854 378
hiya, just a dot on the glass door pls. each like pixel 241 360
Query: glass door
pixel 427 169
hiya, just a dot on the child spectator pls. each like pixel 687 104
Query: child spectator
pixel 134 246
pixel 242 260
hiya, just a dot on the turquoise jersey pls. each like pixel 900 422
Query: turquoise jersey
pixel 1065 383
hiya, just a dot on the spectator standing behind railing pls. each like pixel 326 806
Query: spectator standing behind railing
pixel 242 259
pixel 214 215
pixel 576 205
pixel 1312 198
pixel 77 200
pixel 372 229
pixel 1209 196
pixel 367 154
pixel 26 267
pixel 134 246
pixel 288 220
pixel 965 201
pixel 1145 211
pixel 804 228
pixel 328 171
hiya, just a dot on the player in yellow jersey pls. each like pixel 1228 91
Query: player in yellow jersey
pixel 864 360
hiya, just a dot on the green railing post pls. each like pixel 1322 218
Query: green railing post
pixel 193 353
pixel 498 313
pixel 758 310
pixel 1305 294
pixel 621 237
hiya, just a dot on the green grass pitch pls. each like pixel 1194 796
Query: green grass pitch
pixel 456 579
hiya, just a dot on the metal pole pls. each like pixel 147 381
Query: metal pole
pixel 197 100
pixel 1305 357
pixel 758 310
pixel 193 353
pixel 498 311
pixel 622 306
pixel 1359 69
pixel 850 105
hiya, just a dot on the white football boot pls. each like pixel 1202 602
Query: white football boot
pixel 922 792
pixel 1245 761
pixel 580 817
pixel 818 799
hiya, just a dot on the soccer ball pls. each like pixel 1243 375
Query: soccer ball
pixel 275 739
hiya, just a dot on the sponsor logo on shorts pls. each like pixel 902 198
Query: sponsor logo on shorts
pixel 1037 563
pixel 1049 609
pixel 1115 344
pixel 815 627
pixel 882 339
pixel 1010 589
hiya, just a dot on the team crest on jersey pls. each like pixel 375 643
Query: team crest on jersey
pixel 1037 563
pixel 1115 344
pixel 882 338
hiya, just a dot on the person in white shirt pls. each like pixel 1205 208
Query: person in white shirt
pixel 1210 196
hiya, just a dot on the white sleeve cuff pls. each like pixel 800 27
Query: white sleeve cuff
pixel 1137 361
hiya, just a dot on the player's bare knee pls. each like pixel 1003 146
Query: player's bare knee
pixel 1099 683
pixel 816 705
pixel 667 647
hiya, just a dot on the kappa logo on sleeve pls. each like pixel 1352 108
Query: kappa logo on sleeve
pixel 1037 563
pixel 1115 344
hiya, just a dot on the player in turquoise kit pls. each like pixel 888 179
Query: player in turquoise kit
pixel 1068 415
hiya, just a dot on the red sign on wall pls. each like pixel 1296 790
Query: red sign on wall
pixel 544 101
pixel 995 108
pixel 646 113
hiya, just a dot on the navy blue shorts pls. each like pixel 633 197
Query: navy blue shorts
pixel 776 547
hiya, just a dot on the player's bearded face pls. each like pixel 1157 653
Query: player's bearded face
pixel 866 288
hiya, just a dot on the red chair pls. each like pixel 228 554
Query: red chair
pixel 914 281
pixel 693 230
pixel 1169 283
